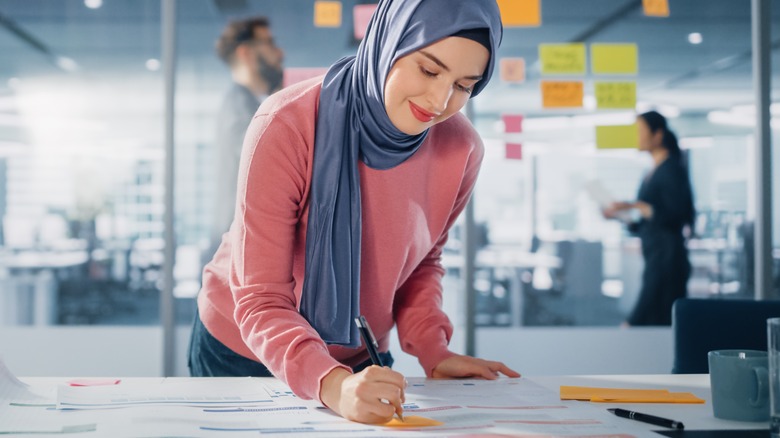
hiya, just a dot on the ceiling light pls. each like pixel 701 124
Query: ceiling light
pixel 152 64
pixel 67 64
pixel 93 4
pixel 695 38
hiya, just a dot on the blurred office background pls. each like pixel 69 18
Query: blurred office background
pixel 82 181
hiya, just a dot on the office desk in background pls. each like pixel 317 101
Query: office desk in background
pixel 454 410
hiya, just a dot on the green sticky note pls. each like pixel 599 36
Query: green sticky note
pixel 563 59
pixel 614 59
pixel 615 95
pixel 617 137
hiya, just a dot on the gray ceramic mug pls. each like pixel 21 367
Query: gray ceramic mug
pixel 740 384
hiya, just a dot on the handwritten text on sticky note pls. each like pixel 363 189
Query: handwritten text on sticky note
pixel 613 95
pixel 562 94
pixel 562 59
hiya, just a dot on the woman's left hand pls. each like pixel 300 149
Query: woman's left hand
pixel 467 366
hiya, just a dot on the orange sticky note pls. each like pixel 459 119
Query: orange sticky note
pixel 361 15
pixel 295 75
pixel 622 395
pixel 656 8
pixel 516 13
pixel 327 14
pixel 513 151
pixel 412 421
pixel 562 94
pixel 512 70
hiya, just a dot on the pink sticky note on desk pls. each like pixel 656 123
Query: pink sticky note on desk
pixel 93 382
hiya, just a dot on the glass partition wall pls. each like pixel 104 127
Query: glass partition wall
pixel 82 171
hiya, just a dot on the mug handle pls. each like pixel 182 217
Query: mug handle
pixel 762 376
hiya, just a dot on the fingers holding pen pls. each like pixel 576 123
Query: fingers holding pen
pixel 375 395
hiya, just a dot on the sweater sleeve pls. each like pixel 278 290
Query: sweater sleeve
pixel 273 184
pixel 424 330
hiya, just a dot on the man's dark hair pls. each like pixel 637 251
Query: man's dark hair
pixel 237 32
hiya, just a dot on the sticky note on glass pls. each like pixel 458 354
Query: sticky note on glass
pixel 656 8
pixel 614 59
pixel 562 59
pixel 295 75
pixel 513 151
pixel 562 94
pixel 412 421
pixel 617 137
pixel 327 14
pixel 512 70
pixel 361 15
pixel 614 95
pixel 518 13
pixel 512 122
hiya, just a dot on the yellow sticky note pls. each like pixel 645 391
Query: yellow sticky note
pixel 327 14
pixel 562 59
pixel 612 95
pixel 617 137
pixel 562 94
pixel 512 70
pixel 656 8
pixel 520 12
pixel 412 421
pixel 614 59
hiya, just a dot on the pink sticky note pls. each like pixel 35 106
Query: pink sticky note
pixel 514 151
pixel 93 382
pixel 513 122
pixel 295 75
pixel 361 15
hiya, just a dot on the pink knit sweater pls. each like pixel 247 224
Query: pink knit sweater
pixel 252 287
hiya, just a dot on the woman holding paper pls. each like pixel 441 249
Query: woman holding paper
pixel 347 188
pixel 665 215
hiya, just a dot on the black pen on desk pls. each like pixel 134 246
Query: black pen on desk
pixel 372 346
pixel 647 418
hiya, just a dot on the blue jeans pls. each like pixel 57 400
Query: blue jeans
pixel 207 357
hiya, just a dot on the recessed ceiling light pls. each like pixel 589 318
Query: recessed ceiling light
pixel 695 38
pixel 93 4
pixel 152 64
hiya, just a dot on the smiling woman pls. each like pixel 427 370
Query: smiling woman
pixel 428 86
pixel 351 216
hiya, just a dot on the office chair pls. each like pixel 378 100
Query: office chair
pixel 702 325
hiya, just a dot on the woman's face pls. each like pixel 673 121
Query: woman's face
pixel 428 86
pixel 648 141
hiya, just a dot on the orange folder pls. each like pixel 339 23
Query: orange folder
pixel 621 395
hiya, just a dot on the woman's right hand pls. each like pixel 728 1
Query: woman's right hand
pixel 370 396
pixel 612 211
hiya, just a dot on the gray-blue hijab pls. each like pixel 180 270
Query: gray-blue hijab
pixel 352 124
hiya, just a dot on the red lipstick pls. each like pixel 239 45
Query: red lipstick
pixel 420 114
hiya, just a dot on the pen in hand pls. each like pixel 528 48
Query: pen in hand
pixel 647 418
pixel 372 346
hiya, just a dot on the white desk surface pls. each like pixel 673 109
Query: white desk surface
pixel 694 416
